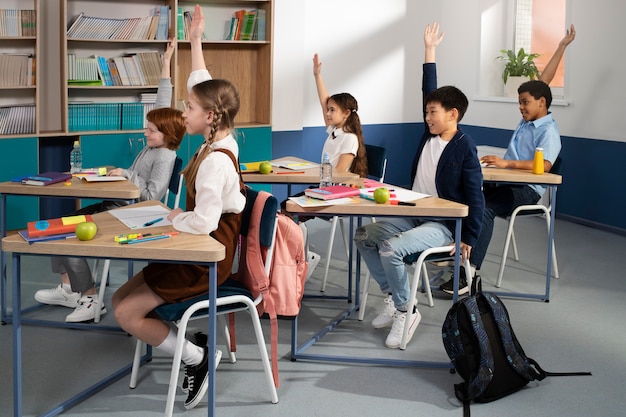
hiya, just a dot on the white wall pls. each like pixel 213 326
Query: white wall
pixel 374 50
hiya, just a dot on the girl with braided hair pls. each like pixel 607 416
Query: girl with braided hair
pixel 215 199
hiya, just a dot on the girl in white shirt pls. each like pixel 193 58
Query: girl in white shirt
pixel 215 200
pixel 344 144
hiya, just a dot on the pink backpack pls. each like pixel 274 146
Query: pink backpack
pixel 283 289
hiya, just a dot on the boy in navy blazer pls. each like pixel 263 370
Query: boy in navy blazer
pixel 446 165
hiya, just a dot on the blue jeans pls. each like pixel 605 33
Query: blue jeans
pixel 500 201
pixel 383 246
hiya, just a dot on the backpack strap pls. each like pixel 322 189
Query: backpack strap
pixel 477 385
pixel 515 354
pixel 254 257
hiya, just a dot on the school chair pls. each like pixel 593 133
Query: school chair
pixel 376 166
pixel 175 186
pixel 419 279
pixel 529 210
pixel 232 297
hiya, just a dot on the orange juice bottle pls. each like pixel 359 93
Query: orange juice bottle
pixel 538 161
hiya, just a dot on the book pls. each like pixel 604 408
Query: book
pixel 304 201
pixel 47 178
pixel 180 24
pixel 332 192
pixel 55 226
pixel 31 240
pixel 247 26
pixel 294 165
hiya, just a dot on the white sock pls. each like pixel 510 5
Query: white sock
pixel 472 270
pixel 67 287
pixel 192 354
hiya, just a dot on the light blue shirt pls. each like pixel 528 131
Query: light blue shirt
pixel 540 133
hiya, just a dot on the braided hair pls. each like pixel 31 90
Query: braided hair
pixel 221 98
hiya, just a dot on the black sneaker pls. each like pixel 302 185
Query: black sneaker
pixel 197 381
pixel 447 287
pixel 199 339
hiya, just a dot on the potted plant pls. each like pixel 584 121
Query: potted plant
pixel 518 68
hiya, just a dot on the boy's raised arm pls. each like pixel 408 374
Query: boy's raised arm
pixel 550 70
pixel 432 38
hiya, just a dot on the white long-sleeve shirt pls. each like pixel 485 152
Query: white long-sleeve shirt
pixel 217 191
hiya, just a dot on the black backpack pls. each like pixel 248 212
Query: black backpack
pixel 482 346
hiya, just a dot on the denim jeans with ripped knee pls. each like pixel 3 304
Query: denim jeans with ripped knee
pixel 383 246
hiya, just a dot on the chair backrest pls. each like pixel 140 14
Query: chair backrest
pixel 557 166
pixel 176 183
pixel 376 161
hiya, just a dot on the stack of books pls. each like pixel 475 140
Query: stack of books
pixel 53 229
pixel 155 26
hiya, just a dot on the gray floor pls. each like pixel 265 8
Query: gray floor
pixel 581 328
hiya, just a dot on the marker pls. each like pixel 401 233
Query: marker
pixel 401 203
pixel 151 222
pixel 145 239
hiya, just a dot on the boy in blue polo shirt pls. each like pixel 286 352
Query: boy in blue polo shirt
pixel 537 129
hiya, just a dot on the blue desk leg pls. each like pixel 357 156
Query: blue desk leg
pixel 457 260
pixel 212 331
pixel 3 260
pixel 17 337
pixel 550 241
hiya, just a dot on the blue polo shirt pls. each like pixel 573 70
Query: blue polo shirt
pixel 540 133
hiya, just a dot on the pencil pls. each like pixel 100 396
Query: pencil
pixel 291 172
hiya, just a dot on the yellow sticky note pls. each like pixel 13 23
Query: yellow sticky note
pixel 73 219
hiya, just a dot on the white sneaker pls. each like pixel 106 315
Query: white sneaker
pixel 397 328
pixel 86 310
pixel 312 259
pixel 385 316
pixel 58 296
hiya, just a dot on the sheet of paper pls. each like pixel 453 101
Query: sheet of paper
pixel 137 217
pixel 295 165
pixel 304 201
pixel 98 178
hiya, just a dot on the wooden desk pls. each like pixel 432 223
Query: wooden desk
pixel 287 176
pixel 519 176
pixel 197 249
pixel 430 207
pixel 111 190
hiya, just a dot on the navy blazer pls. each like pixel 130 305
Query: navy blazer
pixel 459 176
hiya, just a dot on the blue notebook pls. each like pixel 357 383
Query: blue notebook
pixel 46 178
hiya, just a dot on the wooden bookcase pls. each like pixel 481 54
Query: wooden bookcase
pixel 19 98
pixel 247 64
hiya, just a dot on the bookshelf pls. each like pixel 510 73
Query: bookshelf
pixel 247 64
pixel 104 39
pixel 19 52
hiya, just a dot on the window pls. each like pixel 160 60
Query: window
pixel 535 25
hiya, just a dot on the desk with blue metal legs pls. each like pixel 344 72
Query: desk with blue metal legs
pixel 518 176
pixel 109 190
pixel 197 249
pixel 431 207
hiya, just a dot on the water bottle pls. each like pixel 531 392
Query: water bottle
pixel 538 161
pixel 326 172
pixel 76 158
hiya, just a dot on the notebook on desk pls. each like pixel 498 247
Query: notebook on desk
pixel 46 178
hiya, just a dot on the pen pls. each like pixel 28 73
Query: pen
pixel 151 222
pixel 291 172
pixel 401 203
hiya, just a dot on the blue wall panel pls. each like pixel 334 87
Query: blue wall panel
pixel 594 171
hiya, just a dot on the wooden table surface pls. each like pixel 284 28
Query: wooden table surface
pixel 183 247
pixel 520 176
pixel 117 190
pixel 288 176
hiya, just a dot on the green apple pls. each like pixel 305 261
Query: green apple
pixel 86 230
pixel 265 168
pixel 381 195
